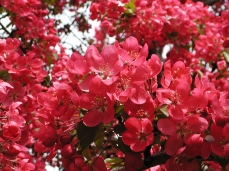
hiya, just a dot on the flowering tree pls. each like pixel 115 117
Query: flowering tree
pixel 121 106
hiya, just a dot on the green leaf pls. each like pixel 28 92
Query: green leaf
pixel 85 153
pixel 99 137
pixel 47 81
pixel 119 109
pixel 123 147
pixel 200 73
pixel 55 56
pixel 2 10
pixel 114 162
pixel 130 7
pixel 120 29
pixel 50 2
pixel 226 55
pixel 4 75
pixel 49 58
pixel 164 110
pixel 86 134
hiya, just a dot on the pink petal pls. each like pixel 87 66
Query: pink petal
pixel 129 138
pixel 107 52
pixel 216 132
pixel 138 95
pixel 167 126
pixel 205 150
pixel 217 148
pixel 138 146
pixel 92 118
pixel 133 124
pixel 99 164
pixel 176 113
pixel 94 59
pixel 146 125
pixel 183 89
pixel 226 131
pixel 193 140
pixel 96 86
pixel 226 151
pixel 86 101
pixel 197 124
pixel 173 144
pixel 108 115
pixel 131 44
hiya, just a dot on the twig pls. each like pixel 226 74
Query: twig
pixel 22 49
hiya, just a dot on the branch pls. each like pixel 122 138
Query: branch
pixel 208 2
pixel 4 29
pixel 154 160
pixel 10 35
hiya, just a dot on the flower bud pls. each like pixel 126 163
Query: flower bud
pixel 49 138
pixel 65 139
pixel 11 131
pixel 11 150
pixel 68 151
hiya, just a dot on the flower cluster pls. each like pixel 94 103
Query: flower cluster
pixel 118 107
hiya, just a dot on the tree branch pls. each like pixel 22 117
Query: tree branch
pixel 10 35
pixel 156 159
pixel 208 2
pixel 4 28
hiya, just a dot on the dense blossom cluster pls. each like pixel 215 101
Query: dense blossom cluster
pixel 119 107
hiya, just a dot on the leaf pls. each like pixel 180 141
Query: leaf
pixel 119 109
pixel 200 73
pixel 2 10
pixel 99 137
pixel 4 75
pixel 164 110
pixel 49 58
pixel 85 153
pixel 226 55
pixel 130 7
pixel 123 147
pixel 86 134
pixel 114 162
pixel 50 2
pixel 47 81
pixel 55 56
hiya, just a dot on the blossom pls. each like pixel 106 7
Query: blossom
pixel 138 134
pixel 100 109
pixel 11 131
pixel 220 145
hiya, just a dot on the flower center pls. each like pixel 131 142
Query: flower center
pixel 142 136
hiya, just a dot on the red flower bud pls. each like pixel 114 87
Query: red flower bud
pixel 87 168
pixel 79 161
pixel 10 150
pixel 68 151
pixel 11 131
pixel 65 139
pixel 50 136
pixel 7 168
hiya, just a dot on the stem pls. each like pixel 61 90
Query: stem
pixel 4 28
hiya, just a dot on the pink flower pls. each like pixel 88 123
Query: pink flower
pixel 138 134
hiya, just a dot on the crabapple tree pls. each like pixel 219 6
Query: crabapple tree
pixel 100 106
